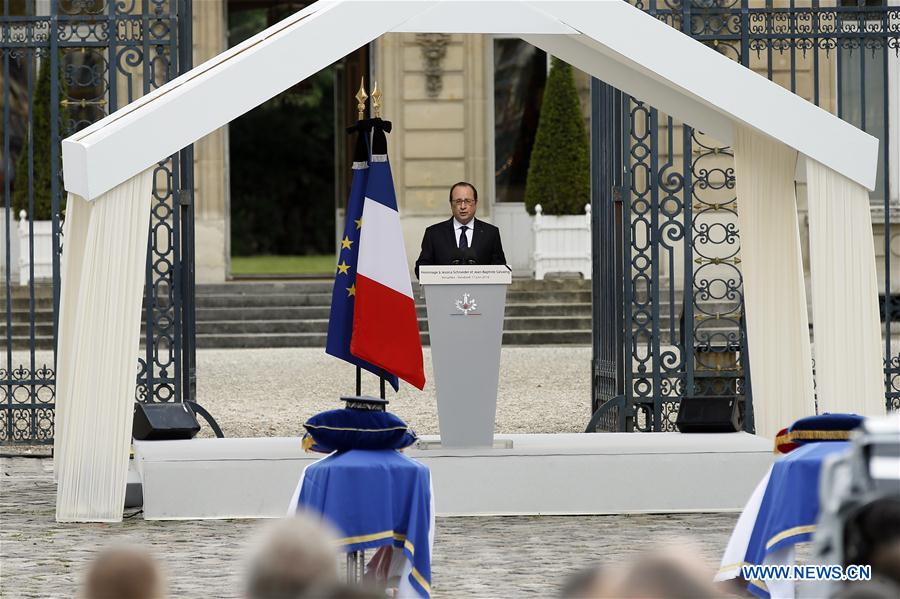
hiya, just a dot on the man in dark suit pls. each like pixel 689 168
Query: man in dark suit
pixel 462 239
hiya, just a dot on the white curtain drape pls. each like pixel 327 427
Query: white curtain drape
pixel 103 269
pixel 774 288
pixel 849 376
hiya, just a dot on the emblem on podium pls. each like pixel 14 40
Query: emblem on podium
pixel 467 305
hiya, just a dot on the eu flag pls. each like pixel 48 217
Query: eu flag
pixel 385 325
pixel 343 295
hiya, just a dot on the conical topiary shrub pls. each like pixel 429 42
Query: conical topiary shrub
pixel 41 143
pixel 559 174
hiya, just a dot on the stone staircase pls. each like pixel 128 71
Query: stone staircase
pixel 295 314
pixel 21 317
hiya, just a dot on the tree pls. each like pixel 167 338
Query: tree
pixel 41 142
pixel 559 173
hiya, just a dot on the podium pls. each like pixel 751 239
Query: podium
pixel 465 324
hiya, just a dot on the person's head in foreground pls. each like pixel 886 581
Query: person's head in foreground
pixel 340 590
pixel 124 573
pixel 664 574
pixel 292 556
pixel 584 584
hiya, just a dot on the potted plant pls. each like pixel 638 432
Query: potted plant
pixel 558 187
pixel 37 218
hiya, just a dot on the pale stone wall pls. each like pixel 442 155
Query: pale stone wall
pixel 211 206
pixel 437 141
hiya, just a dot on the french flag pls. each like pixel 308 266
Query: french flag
pixel 385 326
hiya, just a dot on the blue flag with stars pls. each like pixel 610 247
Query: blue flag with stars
pixel 340 322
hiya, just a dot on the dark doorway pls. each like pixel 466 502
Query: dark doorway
pixel 282 169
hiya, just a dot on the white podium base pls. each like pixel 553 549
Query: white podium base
pixel 565 474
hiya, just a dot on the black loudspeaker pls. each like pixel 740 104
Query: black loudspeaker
pixel 163 421
pixel 709 415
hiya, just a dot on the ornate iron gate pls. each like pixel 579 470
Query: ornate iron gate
pixel 668 320
pixel 92 57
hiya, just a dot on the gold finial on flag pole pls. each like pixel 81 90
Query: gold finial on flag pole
pixel 361 97
pixel 376 101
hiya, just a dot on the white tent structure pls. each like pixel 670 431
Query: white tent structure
pixel 775 135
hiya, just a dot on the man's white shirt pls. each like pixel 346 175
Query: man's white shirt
pixel 457 226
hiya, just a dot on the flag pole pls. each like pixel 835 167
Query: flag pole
pixel 376 108
pixel 361 97
pixel 376 100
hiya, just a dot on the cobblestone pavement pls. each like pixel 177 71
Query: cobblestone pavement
pixel 270 392
pixel 473 557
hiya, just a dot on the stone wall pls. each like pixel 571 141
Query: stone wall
pixel 211 205
pixel 439 137
pixel 443 138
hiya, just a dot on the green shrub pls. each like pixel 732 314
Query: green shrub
pixel 559 174
pixel 41 142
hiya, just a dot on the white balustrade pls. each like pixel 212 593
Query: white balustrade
pixel 562 244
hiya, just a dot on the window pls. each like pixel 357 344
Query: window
pixel 520 73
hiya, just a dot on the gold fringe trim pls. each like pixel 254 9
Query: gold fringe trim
pixel 781 440
pixel 819 435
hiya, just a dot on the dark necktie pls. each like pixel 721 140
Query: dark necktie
pixel 463 240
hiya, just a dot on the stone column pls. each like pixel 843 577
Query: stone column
pixel 211 190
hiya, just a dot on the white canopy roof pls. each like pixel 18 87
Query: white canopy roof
pixel 610 39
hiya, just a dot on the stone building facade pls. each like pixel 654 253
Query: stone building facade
pixel 443 116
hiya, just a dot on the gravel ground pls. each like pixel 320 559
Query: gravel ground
pixel 271 392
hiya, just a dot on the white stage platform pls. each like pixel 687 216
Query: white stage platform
pixel 599 473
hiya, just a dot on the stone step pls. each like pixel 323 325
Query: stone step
pixel 20 316
pixel 23 343
pixel 265 287
pixel 320 325
pixel 303 312
pixel 20 303
pixel 324 299
pixel 44 318
pixel 23 329
pixel 24 291
pixel 325 285
pixel 262 327
pixel 280 300
pixel 510 338
pixel 264 312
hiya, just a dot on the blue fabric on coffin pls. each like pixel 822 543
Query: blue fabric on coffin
pixel 790 505
pixel 376 498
